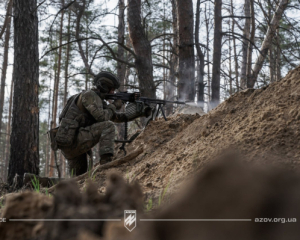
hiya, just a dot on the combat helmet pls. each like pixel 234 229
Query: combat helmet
pixel 104 81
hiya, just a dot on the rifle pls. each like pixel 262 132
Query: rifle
pixel 142 103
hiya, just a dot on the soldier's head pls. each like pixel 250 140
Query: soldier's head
pixel 106 82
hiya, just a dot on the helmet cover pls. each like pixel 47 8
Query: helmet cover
pixel 105 80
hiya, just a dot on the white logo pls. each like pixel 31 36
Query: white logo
pixel 130 219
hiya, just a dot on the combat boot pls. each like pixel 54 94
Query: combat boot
pixel 105 158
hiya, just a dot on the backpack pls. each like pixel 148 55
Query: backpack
pixel 56 135
pixel 66 108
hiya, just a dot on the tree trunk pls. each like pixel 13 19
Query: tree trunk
pixel 7 17
pixel 267 41
pixel 56 89
pixel 24 155
pixel 245 42
pixel 8 128
pixel 230 56
pixel 217 54
pixel 2 158
pixel 186 70
pixel 49 124
pixel 53 121
pixel 207 18
pixel 87 77
pixel 164 54
pixel 58 69
pixel 121 67
pixel 173 62
pixel 67 54
pixel 270 52
pixel 278 56
pixel 67 59
pixel 200 95
pixel 236 64
pixel 250 45
pixel 271 66
pixel 5 61
pixel 81 9
pixel 142 49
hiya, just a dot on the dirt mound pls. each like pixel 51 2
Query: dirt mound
pixel 265 200
pixel 69 203
pixel 232 189
pixel 259 123
pixel 28 205
pixel 153 168
pixel 263 125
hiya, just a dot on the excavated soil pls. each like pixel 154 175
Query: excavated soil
pixel 261 125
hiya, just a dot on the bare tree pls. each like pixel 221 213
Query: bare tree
pixel 207 19
pixel 80 11
pixel 173 61
pixel 278 56
pixel 236 64
pixel 67 55
pixel 267 41
pixel 142 49
pixel 250 44
pixel 245 41
pixel 217 54
pixel 121 67
pixel 24 155
pixel 5 59
pixel 186 70
pixel 8 128
pixel 200 95
pixel 7 17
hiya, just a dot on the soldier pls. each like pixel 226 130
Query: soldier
pixel 87 120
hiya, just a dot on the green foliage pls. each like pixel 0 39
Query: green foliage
pixel 149 205
pixel 72 173
pixel 36 184
pixel 163 193
pixel 92 177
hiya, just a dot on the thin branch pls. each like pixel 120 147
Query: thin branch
pixel 8 12
pixel 162 35
pixel 233 16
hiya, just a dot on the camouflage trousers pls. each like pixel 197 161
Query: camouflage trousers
pixel 86 138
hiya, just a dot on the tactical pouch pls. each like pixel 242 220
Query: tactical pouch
pixel 66 132
pixel 52 134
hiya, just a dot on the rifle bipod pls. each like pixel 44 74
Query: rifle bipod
pixel 134 136
pixel 125 138
pixel 155 113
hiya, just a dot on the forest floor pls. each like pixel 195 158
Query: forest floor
pixel 260 126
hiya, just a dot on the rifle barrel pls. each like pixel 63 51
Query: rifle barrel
pixel 153 100
pixel 131 97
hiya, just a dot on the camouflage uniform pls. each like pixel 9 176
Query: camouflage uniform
pixel 94 117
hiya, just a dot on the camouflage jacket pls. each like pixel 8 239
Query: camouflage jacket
pixel 83 110
pixel 90 103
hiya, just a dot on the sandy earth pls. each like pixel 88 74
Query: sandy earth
pixel 261 125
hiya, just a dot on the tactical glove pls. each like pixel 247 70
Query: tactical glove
pixel 118 103
pixel 112 107
pixel 120 117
